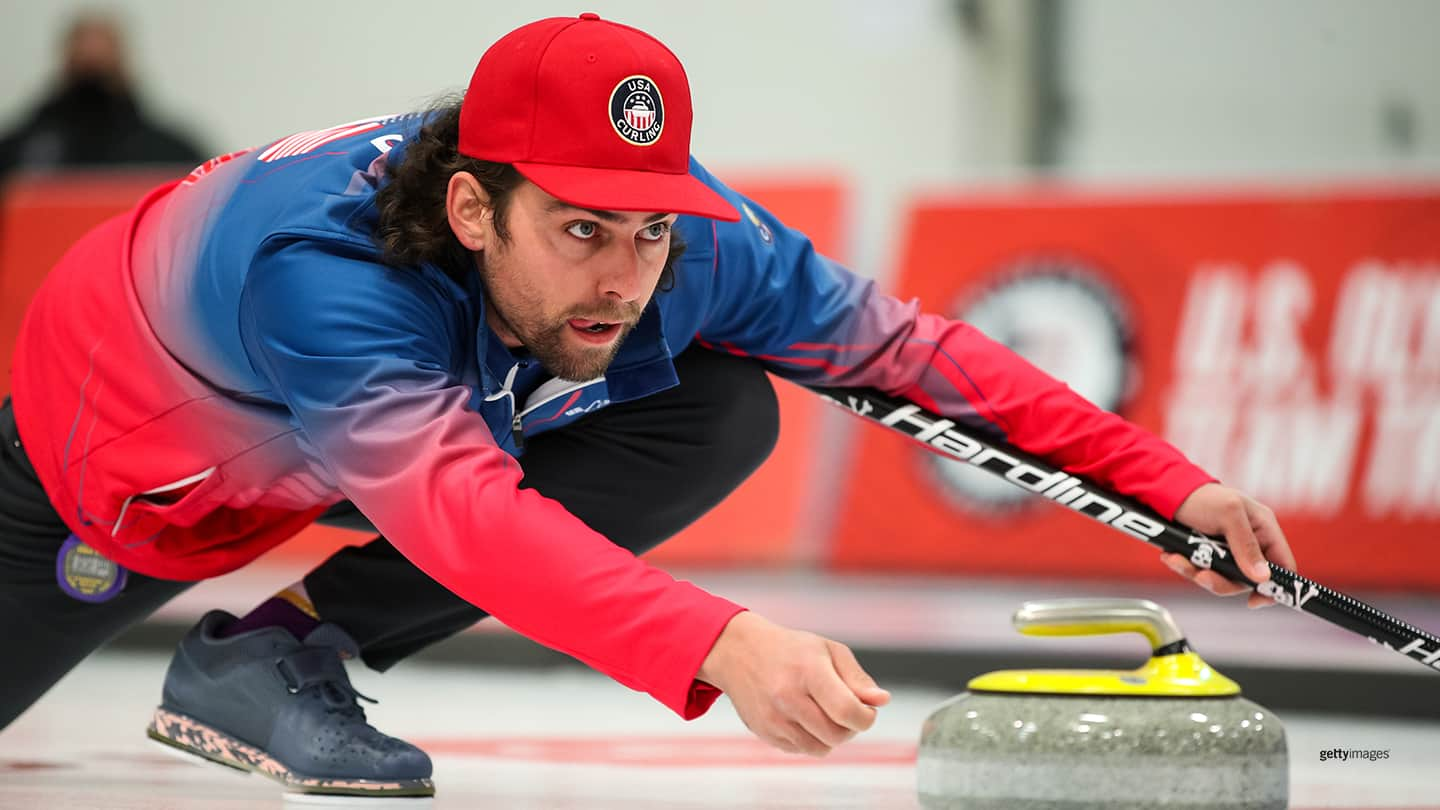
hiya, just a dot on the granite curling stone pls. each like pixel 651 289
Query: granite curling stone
pixel 1172 734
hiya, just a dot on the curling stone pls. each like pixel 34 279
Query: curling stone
pixel 1172 734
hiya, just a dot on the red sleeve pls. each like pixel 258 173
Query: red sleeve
pixel 964 375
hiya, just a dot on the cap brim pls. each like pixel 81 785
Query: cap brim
pixel 628 190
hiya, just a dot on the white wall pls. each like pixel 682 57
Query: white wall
pixel 894 93
pixel 877 89
pixel 1250 88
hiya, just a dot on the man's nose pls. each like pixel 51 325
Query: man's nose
pixel 623 277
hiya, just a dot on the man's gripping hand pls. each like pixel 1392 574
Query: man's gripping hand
pixel 1250 529
pixel 797 691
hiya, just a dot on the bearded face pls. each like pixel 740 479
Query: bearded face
pixel 570 283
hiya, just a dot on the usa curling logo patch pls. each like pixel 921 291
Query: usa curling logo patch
pixel 636 111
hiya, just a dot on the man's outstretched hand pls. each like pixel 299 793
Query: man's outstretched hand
pixel 1247 525
pixel 797 691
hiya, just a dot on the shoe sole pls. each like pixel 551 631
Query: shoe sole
pixel 188 735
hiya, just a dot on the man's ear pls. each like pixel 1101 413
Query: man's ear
pixel 467 207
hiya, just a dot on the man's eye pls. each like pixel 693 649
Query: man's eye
pixel 655 232
pixel 582 229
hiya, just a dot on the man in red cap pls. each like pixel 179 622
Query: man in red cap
pixel 524 337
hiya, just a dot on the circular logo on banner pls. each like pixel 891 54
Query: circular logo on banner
pixel 636 111
pixel 1064 317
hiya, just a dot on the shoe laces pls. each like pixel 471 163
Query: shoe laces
pixel 322 669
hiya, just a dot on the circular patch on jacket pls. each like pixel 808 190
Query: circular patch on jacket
pixel 636 111
pixel 86 574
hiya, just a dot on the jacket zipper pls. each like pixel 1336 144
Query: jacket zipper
pixel 516 431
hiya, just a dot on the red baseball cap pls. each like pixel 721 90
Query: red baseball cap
pixel 595 113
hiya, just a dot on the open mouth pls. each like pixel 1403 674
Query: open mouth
pixel 594 331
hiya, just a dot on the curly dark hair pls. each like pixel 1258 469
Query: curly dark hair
pixel 413 227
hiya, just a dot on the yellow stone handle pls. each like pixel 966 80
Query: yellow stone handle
pixel 1093 617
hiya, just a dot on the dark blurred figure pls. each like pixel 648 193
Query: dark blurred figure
pixel 93 117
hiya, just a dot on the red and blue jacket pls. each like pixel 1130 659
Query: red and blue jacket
pixel 198 379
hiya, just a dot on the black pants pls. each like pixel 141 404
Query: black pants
pixel 637 472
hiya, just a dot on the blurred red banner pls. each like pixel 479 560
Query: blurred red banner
pixel 1288 341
